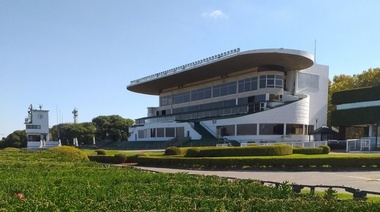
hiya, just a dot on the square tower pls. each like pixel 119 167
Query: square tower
pixel 37 124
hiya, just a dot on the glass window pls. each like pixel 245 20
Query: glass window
pixel 180 131
pixel 224 89
pixel 141 134
pixel 308 81
pixel 181 97
pixel 241 86
pixel 153 132
pixel 279 81
pixel 207 92
pixel 270 81
pixel 202 93
pixel 263 81
pixel 253 83
pixel 229 103
pixel 294 129
pixel 226 130
pixel 165 100
pixel 160 132
pixel 271 129
pixel 170 132
pixel 243 101
pixel 33 126
pixel 246 85
pixel 246 129
pixel 216 90
pixel 231 88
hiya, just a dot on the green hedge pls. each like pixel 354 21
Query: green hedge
pixel 120 158
pixel 271 150
pixel 116 159
pixel 312 150
pixel 172 151
pixel 265 162
pixel 326 149
pixel 308 151
pixel 133 158
pixel 102 158
pixel 101 152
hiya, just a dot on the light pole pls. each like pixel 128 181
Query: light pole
pixel 316 123
pixel 377 134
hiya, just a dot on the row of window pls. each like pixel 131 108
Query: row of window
pixel 263 129
pixel 215 105
pixel 31 126
pixel 240 86
pixel 229 130
pixel 162 132
pixel 196 115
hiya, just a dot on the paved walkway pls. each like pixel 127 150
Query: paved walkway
pixel 363 180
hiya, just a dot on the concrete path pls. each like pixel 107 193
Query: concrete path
pixel 363 180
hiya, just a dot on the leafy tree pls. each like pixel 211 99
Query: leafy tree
pixel 16 139
pixel 112 127
pixel 84 132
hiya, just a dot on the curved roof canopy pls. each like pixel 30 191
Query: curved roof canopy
pixel 285 59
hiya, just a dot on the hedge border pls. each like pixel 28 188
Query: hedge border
pixel 262 163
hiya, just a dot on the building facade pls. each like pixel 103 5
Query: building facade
pixel 251 96
pixel 357 108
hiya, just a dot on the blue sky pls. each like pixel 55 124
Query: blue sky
pixel 67 54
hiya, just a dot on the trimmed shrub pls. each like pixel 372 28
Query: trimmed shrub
pixel 271 150
pixel 102 158
pixel 326 149
pixel 192 152
pixel 11 149
pixel 101 152
pixel 308 150
pixel 172 151
pixel 263 162
pixel 120 158
pixel 134 158
pixel 69 152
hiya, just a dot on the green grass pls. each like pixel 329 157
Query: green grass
pixel 51 182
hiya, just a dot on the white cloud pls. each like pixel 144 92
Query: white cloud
pixel 215 14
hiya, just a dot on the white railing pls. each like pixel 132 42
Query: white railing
pixel 297 143
pixel 365 144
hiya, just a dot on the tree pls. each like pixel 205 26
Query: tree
pixel 16 139
pixel 112 127
pixel 84 132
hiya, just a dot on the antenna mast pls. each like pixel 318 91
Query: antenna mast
pixel 315 51
pixel 75 113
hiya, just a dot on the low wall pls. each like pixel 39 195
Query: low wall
pixel 37 145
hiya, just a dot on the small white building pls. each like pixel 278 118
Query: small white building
pixel 37 129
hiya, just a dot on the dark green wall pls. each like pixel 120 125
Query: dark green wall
pixel 356 95
pixel 357 116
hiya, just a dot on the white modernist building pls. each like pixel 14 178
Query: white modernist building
pixel 270 95
pixel 37 129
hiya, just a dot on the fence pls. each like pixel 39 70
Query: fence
pixel 295 144
pixel 365 144
pixel 357 193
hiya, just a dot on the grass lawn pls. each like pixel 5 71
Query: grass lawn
pixel 45 181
